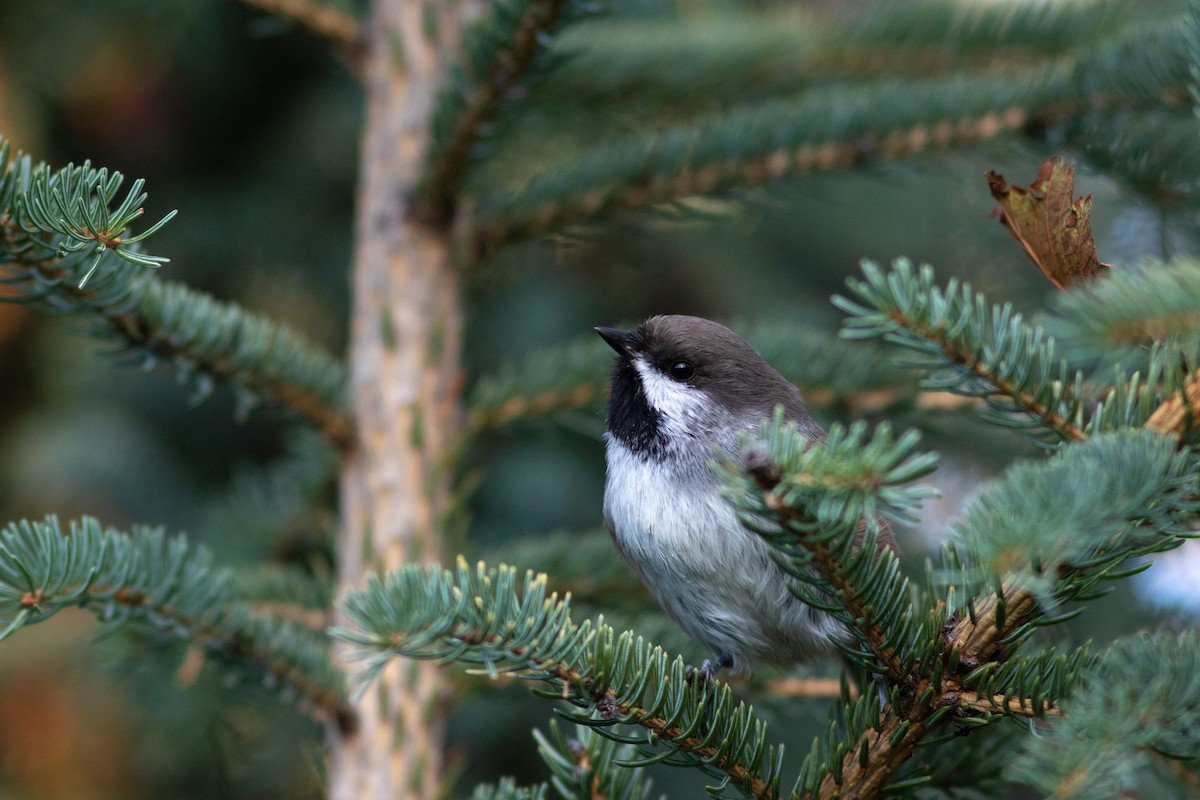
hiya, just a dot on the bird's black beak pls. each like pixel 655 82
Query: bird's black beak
pixel 624 342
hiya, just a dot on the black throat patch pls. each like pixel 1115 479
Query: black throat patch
pixel 630 418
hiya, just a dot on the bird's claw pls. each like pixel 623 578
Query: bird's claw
pixel 707 672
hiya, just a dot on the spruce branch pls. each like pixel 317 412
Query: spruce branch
pixel 976 678
pixel 1025 686
pixel 1054 530
pixel 47 255
pixel 291 656
pixel 809 687
pixel 583 567
pixel 824 130
pixel 1144 321
pixel 506 624
pixel 1150 150
pixel 548 381
pixel 834 127
pixel 1135 494
pixel 816 505
pixel 862 761
pixel 716 55
pixel 1131 308
pixel 878 755
pixel 998 703
pixel 1178 414
pixel 1142 701
pixel 824 497
pixel 974 31
pixel 166 322
pixel 1139 496
pixel 589 765
pixel 499 51
pixel 509 789
pixel 73 205
pixel 976 351
pixel 169 588
pixel 978 636
pixel 283 593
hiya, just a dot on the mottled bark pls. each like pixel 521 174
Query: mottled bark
pixel 405 379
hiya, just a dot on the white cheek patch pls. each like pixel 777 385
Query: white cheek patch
pixel 681 407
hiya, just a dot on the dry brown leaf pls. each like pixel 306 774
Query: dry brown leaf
pixel 1054 228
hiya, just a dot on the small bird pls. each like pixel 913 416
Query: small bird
pixel 684 391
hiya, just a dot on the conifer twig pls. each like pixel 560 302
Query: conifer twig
pixel 808 687
pixel 766 474
pixel 496 231
pixel 892 743
pixel 484 616
pixel 968 700
pixel 321 19
pixel 965 356
pixel 887 748
pixel 612 705
pixel 169 585
pixel 871 764
pixel 245 645
pixel 128 322
pixel 438 189
pixel 490 417
pixel 60 233
pixel 1178 413
pixel 818 133
pixel 977 637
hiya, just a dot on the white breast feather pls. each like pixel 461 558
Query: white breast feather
pixel 715 578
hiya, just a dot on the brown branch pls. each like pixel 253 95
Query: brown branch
pixel 553 214
pixel 610 703
pixel 808 687
pixel 439 187
pixel 321 19
pixel 490 417
pixel 767 476
pixel 323 704
pixel 1177 415
pixel 966 701
pixel 315 619
pixel 693 745
pixel 751 171
pixel 965 357
pixel 884 757
pixel 977 638
pixel 893 741
pixel 970 642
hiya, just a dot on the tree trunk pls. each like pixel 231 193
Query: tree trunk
pixel 404 370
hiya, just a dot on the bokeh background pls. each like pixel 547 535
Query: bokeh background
pixel 249 126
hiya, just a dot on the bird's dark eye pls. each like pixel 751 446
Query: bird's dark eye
pixel 682 370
